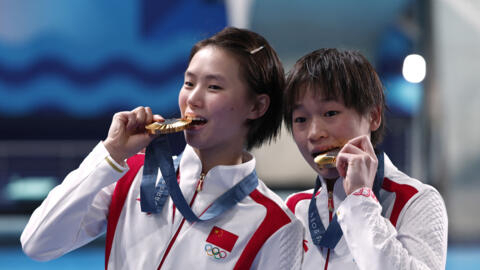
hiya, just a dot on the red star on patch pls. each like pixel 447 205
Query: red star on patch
pixel 222 238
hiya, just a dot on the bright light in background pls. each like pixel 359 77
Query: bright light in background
pixel 414 68
pixel 29 188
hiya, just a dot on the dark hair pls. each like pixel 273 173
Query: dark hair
pixel 262 72
pixel 336 75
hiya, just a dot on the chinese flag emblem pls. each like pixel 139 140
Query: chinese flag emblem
pixel 222 238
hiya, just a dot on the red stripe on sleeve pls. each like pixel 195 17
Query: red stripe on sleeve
pixel 403 193
pixel 118 200
pixel 275 219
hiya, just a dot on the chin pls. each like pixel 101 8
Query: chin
pixel 192 142
pixel 328 173
pixel 197 143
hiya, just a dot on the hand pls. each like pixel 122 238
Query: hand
pixel 127 134
pixel 357 164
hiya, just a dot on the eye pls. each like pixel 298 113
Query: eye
pixel 330 113
pixel 215 87
pixel 188 84
pixel 299 119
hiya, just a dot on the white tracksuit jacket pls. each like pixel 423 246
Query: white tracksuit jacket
pixel 406 228
pixel 258 233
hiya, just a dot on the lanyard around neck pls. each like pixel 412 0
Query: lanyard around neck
pixel 330 237
pixel 158 155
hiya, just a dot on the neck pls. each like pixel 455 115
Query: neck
pixel 330 183
pixel 212 158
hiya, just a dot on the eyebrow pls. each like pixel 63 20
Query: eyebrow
pixel 216 77
pixel 297 106
pixel 188 73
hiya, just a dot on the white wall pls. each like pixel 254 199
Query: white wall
pixel 456 153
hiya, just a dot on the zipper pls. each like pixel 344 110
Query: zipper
pixel 330 205
pixel 174 238
pixel 331 208
pixel 200 182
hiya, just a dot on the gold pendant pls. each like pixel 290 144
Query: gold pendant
pixel 168 126
pixel 327 160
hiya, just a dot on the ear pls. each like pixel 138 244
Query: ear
pixel 260 106
pixel 375 118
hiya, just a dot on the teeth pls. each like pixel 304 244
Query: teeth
pixel 323 153
pixel 197 120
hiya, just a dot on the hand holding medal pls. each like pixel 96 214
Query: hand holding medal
pixel 357 164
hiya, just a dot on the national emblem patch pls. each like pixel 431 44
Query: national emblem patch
pixel 219 242
pixel 222 238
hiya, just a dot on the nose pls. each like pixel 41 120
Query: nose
pixel 316 130
pixel 195 97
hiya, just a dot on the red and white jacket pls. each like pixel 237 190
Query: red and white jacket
pixel 258 233
pixel 405 228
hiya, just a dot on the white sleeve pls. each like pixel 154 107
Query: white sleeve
pixel 419 243
pixel 283 250
pixel 74 212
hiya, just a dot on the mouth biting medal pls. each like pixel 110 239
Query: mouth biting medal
pixel 172 125
pixel 168 126
pixel 327 160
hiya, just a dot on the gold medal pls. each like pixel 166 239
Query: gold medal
pixel 327 160
pixel 168 126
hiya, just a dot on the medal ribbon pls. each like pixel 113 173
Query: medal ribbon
pixel 330 237
pixel 153 197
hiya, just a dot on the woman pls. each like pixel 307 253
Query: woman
pixel 363 213
pixel 233 89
